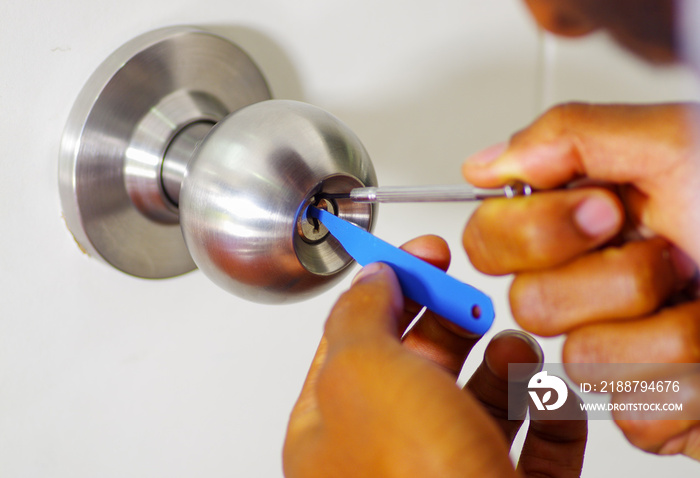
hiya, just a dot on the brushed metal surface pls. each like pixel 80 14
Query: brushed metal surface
pixel 247 189
pixel 121 124
pixel 174 157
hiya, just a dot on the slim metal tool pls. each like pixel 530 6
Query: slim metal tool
pixel 440 193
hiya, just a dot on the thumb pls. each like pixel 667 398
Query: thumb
pixel 369 311
pixel 636 144
pixel 651 148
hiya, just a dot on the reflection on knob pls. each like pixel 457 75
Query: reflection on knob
pixel 246 187
pixel 174 156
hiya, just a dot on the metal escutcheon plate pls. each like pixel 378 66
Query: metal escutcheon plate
pixel 120 126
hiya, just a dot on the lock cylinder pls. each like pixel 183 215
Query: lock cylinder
pixel 317 250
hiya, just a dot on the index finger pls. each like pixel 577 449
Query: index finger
pixel 613 143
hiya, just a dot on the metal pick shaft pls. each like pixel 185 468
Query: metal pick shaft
pixel 442 193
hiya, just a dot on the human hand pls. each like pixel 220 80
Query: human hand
pixel 576 271
pixel 376 405
pixel 645 27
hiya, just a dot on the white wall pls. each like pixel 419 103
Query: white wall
pixel 102 374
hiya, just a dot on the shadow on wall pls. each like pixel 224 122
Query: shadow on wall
pixel 423 136
pixel 282 77
pixel 422 133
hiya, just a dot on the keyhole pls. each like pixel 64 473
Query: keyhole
pixel 311 229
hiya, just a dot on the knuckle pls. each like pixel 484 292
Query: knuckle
pixel 642 286
pixel 478 241
pixel 555 121
pixel 567 113
pixel 531 304
pixel 647 278
pixel 563 116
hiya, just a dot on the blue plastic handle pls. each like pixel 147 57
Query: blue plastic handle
pixel 456 301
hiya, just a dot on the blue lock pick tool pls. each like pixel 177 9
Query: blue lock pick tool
pixel 458 302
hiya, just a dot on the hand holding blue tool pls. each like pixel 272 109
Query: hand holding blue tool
pixel 424 283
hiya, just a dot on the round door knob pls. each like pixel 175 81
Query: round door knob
pixel 175 157
pixel 247 188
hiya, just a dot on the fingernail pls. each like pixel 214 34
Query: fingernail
pixel 528 364
pixel 487 155
pixel 597 216
pixel 525 337
pixel 368 272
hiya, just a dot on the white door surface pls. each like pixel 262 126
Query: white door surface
pixel 106 375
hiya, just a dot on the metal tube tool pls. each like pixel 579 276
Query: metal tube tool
pixel 441 193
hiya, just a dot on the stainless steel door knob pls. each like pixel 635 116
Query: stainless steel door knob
pixel 175 157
